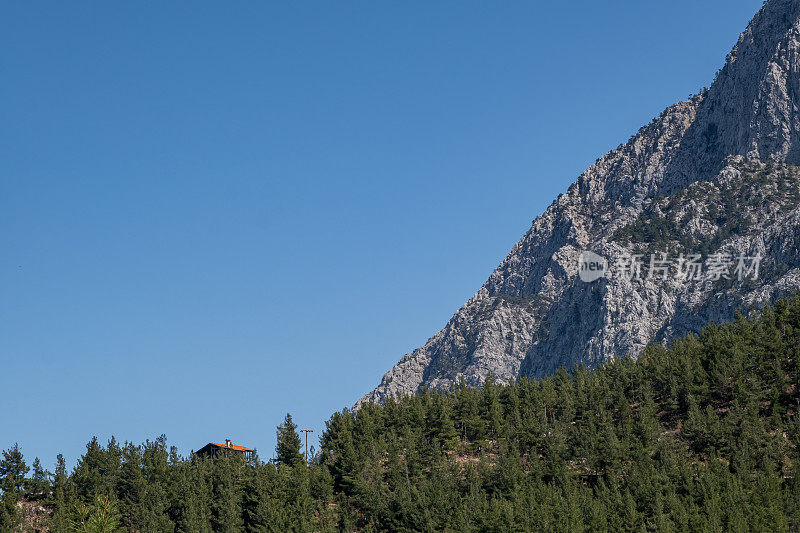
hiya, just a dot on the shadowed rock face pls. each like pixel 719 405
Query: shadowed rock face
pixel 730 150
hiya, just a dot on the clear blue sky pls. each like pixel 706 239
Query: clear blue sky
pixel 214 214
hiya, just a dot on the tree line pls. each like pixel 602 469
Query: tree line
pixel 702 435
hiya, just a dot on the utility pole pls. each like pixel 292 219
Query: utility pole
pixel 307 431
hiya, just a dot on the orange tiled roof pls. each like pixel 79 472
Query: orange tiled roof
pixel 235 447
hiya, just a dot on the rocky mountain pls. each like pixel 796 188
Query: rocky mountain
pixel 698 214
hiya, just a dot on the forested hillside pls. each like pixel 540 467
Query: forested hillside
pixel 702 436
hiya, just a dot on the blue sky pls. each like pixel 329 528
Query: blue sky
pixel 214 214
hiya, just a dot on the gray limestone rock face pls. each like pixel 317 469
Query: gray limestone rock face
pixel 714 174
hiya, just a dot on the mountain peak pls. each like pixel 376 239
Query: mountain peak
pixel 750 109
pixel 666 189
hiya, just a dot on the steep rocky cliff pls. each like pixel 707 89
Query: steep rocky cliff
pixel 710 181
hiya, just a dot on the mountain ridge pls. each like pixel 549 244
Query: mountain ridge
pixel 534 314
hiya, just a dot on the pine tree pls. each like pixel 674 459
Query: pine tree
pixel 97 470
pixel 9 516
pixel 38 484
pixel 226 506
pixel 132 487
pixel 100 517
pixel 287 450
pixel 12 479
pixel 61 496
pixel 442 427
pixel 12 470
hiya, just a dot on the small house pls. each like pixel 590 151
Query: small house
pixel 212 449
